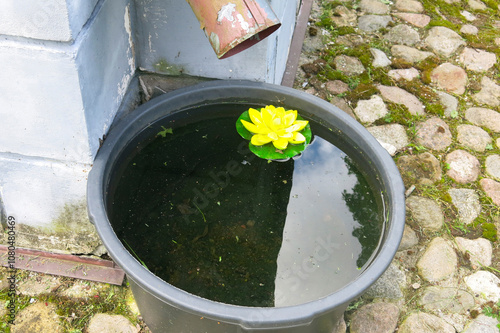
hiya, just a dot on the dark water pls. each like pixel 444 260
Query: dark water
pixel 207 216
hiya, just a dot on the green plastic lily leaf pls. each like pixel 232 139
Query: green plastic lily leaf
pixel 274 133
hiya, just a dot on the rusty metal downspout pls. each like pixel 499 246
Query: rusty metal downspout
pixel 234 25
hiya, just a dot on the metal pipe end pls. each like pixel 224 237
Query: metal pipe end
pixel 232 27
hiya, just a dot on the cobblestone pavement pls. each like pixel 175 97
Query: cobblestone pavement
pixel 424 78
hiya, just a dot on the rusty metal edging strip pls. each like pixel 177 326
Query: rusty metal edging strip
pixel 69 265
pixel 296 44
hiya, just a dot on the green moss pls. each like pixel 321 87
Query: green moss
pixel 428 64
pixel 444 14
pixel 340 31
pixel 398 113
pixel 164 67
pixel 444 23
pixel 379 75
pixel 353 82
pixel 426 95
pixel 112 303
pixel 485 39
pixel 364 55
pixel 492 4
pixel 72 216
pixel 436 109
pixel 325 20
pixel 382 45
pixel 331 5
pixel 362 91
pixel 489 231
pixel 426 77
pixel 366 58
pixel 362 52
pixel 446 197
pixel 332 74
pixel 399 63
pixel 71 231
pixel 329 54
pixel 426 67
pixel 384 31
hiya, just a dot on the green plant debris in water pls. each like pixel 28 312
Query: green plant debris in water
pixel 135 255
pixel 220 221
pixel 165 131
pixel 202 215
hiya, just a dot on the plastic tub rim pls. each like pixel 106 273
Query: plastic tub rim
pixel 251 317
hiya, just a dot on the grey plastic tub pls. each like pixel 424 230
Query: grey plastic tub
pixel 166 308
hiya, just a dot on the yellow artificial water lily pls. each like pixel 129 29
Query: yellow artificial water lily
pixel 275 125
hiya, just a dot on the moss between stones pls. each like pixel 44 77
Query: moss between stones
pixel 370 75
pixel 489 231
pixel 444 14
pixel 398 113
pixel 329 73
pixel 341 31
pixel 364 85
pixel 446 197
pixel 325 20
pixel 399 63
pixel 380 75
pixel 363 91
pixel 426 95
pixel 426 66
pixel 492 4
pixel 485 40
pixel 444 23
pixel 76 313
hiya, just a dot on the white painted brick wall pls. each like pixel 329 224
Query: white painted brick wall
pixel 41 105
pixel 55 20
pixel 106 64
pixel 35 191
pixel 60 87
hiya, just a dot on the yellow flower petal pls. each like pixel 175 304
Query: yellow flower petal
pixel 251 127
pixel 260 139
pixel 268 118
pixel 285 135
pixel 280 112
pixel 281 143
pixel 270 108
pixel 297 138
pixel 273 136
pixel 277 123
pixel 293 128
pixel 290 117
pixel 255 116
pixel 302 124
